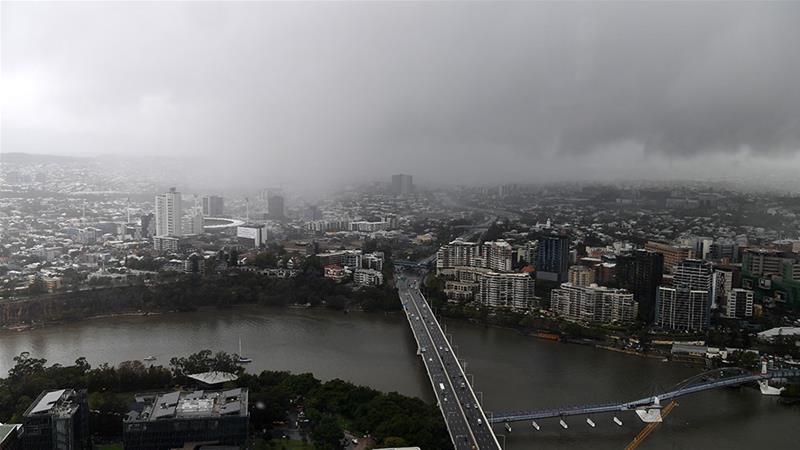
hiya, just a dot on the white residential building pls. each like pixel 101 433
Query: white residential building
pixel 367 277
pixel 593 303
pixel 686 305
pixel 168 213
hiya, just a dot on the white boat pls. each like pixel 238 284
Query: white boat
pixel 242 359
pixel 766 389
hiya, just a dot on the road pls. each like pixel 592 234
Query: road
pixel 465 419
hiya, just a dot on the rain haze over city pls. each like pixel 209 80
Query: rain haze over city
pixel 399 225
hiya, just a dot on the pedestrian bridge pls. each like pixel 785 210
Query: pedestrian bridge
pixel 713 379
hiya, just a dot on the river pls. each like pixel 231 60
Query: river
pixel 512 371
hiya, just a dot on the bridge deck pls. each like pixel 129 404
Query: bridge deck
pixel 466 422
pixel 642 402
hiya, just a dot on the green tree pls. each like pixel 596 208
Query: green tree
pixel 327 434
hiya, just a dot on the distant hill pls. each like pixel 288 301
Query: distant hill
pixel 33 158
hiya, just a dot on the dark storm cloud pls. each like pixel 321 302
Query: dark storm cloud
pixel 492 91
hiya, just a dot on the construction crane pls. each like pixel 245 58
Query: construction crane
pixel 650 427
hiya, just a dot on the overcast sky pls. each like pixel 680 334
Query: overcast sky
pixel 449 92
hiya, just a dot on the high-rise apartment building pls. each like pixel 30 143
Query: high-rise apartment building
pixel 168 213
pixel 528 252
pixel 740 303
pixel 686 305
pixel 193 222
pixel 493 255
pixel 505 290
pixel 213 206
pixel 497 256
pixel 457 253
pixel 641 272
pixel 580 276
pixel 552 258
pixel 489 288
pixel 593 303
pixel 402 184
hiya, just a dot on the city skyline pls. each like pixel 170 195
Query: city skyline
pixel 384 225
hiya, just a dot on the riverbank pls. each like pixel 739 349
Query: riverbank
pixel 633 353
pixel 188 293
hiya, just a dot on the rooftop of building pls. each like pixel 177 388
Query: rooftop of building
pixel 780 331
pixel 61 403
pixel 7 429
pixel 214 377
pixel 189 405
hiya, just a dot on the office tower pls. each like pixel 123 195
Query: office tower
pixel 168 213
pixel 740 303
pixel 641 272
pixel 580 276
pixel 686 305
pixel 673 254
pixel 593 303
pixel 275 207
pixel 57 420
pixel 402 184
pixel 725 250
pixel 552 258
pixel 174 419
pixel 213 206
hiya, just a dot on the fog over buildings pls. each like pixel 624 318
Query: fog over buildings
pixel 453 93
